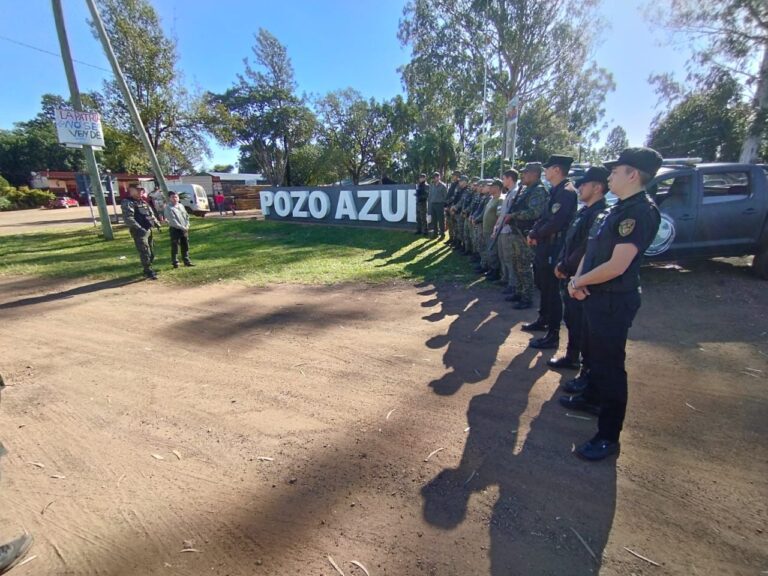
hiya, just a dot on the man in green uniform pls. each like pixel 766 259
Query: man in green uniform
pixel 476 219
pixel 527 208
pixel 510 180
pixel 140 219
pixel 436 202
pixel 489 255
pixel 450 211
pixel 463 213
pixel 453 188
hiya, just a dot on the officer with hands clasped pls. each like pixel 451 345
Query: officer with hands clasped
pixel 608 281
pixel 548 235
pixel 592 188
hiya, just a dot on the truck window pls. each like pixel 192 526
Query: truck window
pixel 726 187
pixel 673 190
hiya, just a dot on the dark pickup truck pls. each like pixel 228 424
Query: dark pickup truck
pixel 711 210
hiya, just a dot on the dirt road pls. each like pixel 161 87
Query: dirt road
pixel 43 219
pixel 404 427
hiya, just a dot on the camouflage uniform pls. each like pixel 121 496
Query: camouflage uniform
pixel 527 207
pixel 140 219
pixel 461 217
pixel 453 215
pixel 468 226
pixel 489 258
pixel 477 226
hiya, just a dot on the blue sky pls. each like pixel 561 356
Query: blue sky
pixel 332 43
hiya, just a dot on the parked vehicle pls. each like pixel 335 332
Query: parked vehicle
pixel 192 197
pixel 711 210
pixel 63 202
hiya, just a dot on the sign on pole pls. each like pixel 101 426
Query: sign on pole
pixel 511 133
pixel 76 129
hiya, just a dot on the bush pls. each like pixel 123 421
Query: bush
pixel 23 197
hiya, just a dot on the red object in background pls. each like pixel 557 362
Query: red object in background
pixel 63 202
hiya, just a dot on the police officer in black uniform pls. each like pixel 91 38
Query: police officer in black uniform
pixel 608 281
pixel 548 235
pixel 592 188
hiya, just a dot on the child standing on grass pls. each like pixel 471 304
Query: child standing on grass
pixel 178 222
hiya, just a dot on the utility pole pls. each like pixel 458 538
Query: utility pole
pixel 485 98
pixel 137 123
pixel 90 157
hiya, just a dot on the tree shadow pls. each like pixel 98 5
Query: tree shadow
pixel 71 293
pixel 545 494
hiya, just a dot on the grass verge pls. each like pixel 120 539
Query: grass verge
pixel 251 251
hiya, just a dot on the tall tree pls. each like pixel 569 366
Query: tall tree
pixel 171 116
pixel 531 48
pixel 615 142
pixel 732 36
pixel 262 113
pixel 358 130
pixel 709 123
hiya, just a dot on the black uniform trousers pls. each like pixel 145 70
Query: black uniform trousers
pixel 550 305
pixel 573 314
pixel 609 316
pixel 179 238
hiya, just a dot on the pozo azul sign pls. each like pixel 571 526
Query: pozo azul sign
pixel 391 206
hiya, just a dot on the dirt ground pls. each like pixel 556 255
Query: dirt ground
pixel 408 428
pixel 41 219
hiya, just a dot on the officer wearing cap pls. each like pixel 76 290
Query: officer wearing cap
pixel 592 189
pixel 458 213
pixel 608 281
pixel 450 210
pixel 510 180
pixel 140 219
pixel 527 208
pixel 453 188
pixel 466 209
pixel 476 220
pixel 547 236
pixel 421 205
pixel 489 255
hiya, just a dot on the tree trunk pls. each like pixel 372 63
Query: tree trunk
pixel 751 147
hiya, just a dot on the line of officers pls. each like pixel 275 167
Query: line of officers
pixel 584 261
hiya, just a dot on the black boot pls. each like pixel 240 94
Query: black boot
pixel 550 341
pixel 513 298
pixel 577 385
pixel 580 403
pixel 539 324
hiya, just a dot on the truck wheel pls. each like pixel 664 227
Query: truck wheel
pixel 760 263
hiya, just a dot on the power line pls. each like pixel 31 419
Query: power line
pixel 51 53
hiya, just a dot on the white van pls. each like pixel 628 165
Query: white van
pixel 192 197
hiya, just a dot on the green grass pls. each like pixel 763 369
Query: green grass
pixel 251 251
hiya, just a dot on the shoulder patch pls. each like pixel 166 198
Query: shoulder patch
pixel 555 207
pixel 626 226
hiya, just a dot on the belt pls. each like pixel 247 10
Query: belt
pixel 608 289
